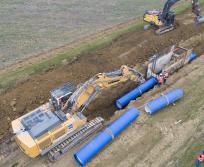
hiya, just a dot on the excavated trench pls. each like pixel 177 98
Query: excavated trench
pixel 104 105
pixel 131 49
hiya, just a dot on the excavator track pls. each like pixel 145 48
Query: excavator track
pixel 164 30
pixel 75 138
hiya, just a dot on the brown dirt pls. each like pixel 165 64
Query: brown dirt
pixel 130 49
pixel 106 108
pixel 158 135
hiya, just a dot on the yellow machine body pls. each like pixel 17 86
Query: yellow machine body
pixel 34 146
pixel 152 19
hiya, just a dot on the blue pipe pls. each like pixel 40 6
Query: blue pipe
pixel 192 57
pixel 164 101
pixel 135 93
pixel 86 153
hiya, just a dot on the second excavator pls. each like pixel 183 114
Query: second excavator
pixel 163 20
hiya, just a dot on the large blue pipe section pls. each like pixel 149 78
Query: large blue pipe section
pixel 84 155
pixel 192 57
pixel 125 100
pixel 164 101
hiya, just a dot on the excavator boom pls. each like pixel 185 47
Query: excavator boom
pixel 88 91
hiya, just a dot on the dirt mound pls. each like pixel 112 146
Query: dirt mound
pixel 131 49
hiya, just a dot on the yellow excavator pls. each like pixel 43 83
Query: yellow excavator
pixel 60 124
pixel 163 20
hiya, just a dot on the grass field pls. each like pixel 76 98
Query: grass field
pixel 31 27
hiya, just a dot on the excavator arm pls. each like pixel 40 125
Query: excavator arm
pixel 195 9
pixel 88 91
pixel 166 9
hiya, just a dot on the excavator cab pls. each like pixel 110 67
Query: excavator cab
pixel 60 95
pixel 154 19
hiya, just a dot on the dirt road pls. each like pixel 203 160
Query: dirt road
pixel 157 135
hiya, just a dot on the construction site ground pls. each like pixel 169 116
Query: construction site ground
pixel 171 138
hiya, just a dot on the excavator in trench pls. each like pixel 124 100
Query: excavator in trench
pixel 59 125
pixel 163 21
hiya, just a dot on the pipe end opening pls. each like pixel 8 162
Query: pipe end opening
pixel 119 105
pixel 78 160
pixel 147 109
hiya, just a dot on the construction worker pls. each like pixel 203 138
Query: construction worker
pixel 162 77
pixel 200 159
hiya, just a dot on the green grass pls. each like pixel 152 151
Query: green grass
pixel 193 149
pixel 193 103
pixel 191 107
pixel 10 78
pixel 182 8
